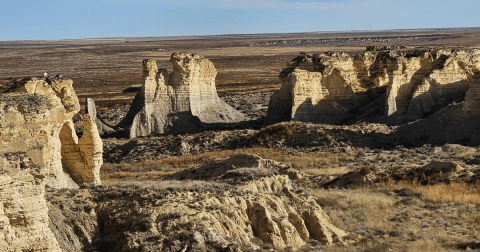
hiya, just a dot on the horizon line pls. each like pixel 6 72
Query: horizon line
pixel 248 34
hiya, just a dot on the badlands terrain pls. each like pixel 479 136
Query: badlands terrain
pixel 339 141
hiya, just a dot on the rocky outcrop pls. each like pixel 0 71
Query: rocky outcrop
pixel 36 119
pixel 386 85
pixel 23 209
pixel 82 158
pixel 334 88
pixel 453 123
pixel 39 147
pixel 184 101
pixel 102 127
pixel 237 202
pixel 31 123
pixel 316 88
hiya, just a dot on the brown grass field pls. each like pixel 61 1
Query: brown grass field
pixel 103 68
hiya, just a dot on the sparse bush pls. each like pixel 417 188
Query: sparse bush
pixel 409 154
pixel 365 170
pixel 284 128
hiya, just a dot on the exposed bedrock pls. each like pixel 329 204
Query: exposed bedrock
pixel 453 123
pixel 317 88
pixel 410 83
pixel 183 101
pixel 36 118
pixel 39 147
pixel 239 201
pixel 23 209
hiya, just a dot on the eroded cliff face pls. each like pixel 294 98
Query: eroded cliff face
pixel 318 88
pixel 31 120
pixel 334 88
pixel 36 118
pixel 23 209
pixel 40 148
pixel 183 101
pixel 456 122
pixel 233 202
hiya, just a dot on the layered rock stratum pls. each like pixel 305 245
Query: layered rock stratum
pixel 233 204
pixel 384 85
pixel 36 118
pixel 23 209
pixel 40 148
pixel 184 101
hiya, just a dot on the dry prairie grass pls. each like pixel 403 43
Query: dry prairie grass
pixel 461 193
pixel 445 219
pixel 327 171
pixel 159 168
pixel 163 185
pixel 357 210
pixel 426 246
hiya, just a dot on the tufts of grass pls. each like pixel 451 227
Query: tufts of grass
pixel 461 193
pixel 159 168
pixel 426 246
pixel 358 209
pixel 326 171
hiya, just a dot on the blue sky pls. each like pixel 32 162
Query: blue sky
pixel 65 19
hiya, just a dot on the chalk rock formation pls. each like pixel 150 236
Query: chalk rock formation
pixel 102 126
pixel 333 88
pixel 40 147
pixel 82 158
pixel 316 88
pixel 242 200
pixel 23 209
pixel 184 101
pixel 33 115
pixel 454 123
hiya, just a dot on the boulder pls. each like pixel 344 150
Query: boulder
pixel 446 167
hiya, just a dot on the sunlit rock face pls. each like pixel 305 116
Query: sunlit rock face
pixel 336 88
pixel 184 101
pixel 23 209
pixel 40 148
pixel 36 118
